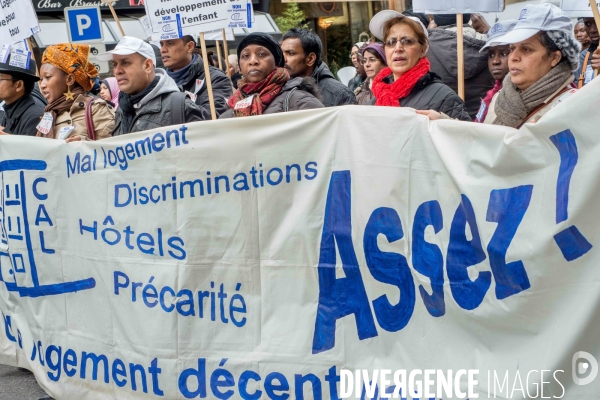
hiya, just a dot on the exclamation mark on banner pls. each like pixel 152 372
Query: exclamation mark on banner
pixel 571 242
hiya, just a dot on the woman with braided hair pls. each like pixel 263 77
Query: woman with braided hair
pixel 266 86
pixel 72 114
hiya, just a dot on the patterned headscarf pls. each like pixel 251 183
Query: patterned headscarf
pixel 72 59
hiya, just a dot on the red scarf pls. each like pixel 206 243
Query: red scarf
pixel 264 93
pixel 390 94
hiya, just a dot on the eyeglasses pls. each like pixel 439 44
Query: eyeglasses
pixel 405 42
pixel 370 60
pixel 355 53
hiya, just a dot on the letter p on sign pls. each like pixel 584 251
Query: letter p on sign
pixel 84 24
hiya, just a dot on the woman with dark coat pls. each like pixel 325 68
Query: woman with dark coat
pixel 407 81
pixel 266 87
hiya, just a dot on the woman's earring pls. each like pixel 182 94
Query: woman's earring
pixel 69 95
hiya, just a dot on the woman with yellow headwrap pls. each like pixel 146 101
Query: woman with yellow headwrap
pixel 66 76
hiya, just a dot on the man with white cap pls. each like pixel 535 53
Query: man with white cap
pixel 149 98
pixel 497 62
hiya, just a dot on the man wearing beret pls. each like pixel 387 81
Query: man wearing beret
pixel 22 108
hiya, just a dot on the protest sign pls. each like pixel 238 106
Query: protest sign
pixel 18 20
pixel 202 16
pixel 269 256
pixel 578 8
pixel 458 6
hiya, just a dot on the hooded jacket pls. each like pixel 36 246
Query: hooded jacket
pixel 154 110
pixel 303 95
pixel 442 56
pixel 23 116
pixel 333 92
pixel 221 86
pixel 431 94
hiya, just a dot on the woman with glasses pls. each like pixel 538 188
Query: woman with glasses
pixel 407 81
pixel 373 61
pixel 356 57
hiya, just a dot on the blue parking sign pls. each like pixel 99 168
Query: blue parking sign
pixel 84 24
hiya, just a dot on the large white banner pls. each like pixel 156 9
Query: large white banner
pixel 273 256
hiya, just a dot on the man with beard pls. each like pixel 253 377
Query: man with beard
pixel 302 50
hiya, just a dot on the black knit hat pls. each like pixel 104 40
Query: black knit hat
pixel 265 40
pixel 19 73
pixel 449 19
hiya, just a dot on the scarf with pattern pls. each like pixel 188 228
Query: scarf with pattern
pixel 263 93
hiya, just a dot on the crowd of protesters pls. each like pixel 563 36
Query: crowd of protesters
pixel 514 72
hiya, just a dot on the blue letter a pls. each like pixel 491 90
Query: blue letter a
pixel 342 296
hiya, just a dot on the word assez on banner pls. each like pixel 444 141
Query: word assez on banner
pixel 340 297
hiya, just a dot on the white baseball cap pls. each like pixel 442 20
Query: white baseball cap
pixel 497 31
pixel 535 18
pixel 129 45
pixel 378 22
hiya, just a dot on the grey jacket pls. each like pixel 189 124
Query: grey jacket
pixel 221 86
pixel 333 92
pixel 154 110
pixel 303 95
pixel 442 56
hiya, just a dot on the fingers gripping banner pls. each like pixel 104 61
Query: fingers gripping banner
pixel 273 257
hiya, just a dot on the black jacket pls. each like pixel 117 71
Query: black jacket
pixel 303 95
pixel 221 86
pixel 22 116
pixel 442 56
pixel 431 94
pixel 333 92
pixel 156 109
